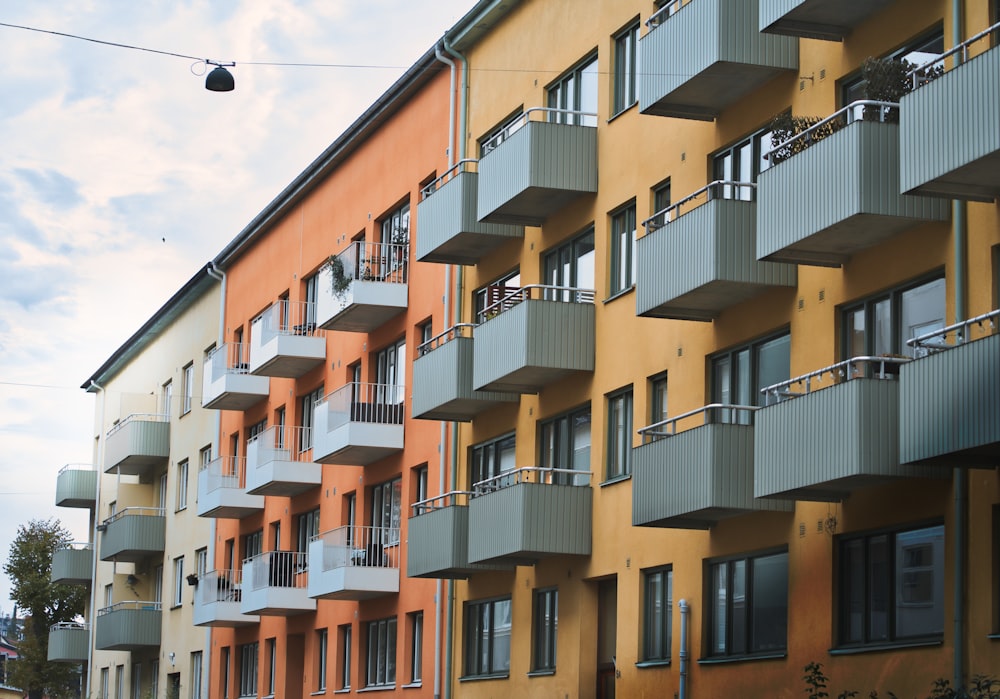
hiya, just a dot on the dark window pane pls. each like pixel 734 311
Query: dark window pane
pixel 920 581
pixel 770 602
pixel 878 588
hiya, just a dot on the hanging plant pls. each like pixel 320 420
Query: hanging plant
pixel 339 281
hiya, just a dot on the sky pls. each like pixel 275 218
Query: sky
pixel 120 176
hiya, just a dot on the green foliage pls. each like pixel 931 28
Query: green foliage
pixel 980 687
pixel 785 126
pixel 340 282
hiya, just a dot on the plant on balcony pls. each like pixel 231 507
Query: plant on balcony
pixel 339 281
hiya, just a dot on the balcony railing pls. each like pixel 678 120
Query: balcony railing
pixel 285 341
pixel 132 625
pixel 438 541
pixel 358 423
pixel 354 563
pixel 68 642
pixel 133 533
pixel 217 600
pixel 279 462
pixel 73 564
pixel 227 383
pixel 76 486
pixel 137 444
pixel 364 286
pixel 275 584
pixel 222 491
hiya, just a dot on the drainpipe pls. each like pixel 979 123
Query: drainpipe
pixel 683 674
pixel 99 466
pixel 206 668
pixel 463 131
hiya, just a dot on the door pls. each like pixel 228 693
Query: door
pixel 607 638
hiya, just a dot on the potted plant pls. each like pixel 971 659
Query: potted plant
pixel 340 282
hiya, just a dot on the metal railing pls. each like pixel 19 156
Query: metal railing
pixel 454 498
pixel 573 117
pixel 285 317
pixel 545 292
pixel 531 474
pixel 219 586
pixel 925 73
pixel 143 605
pixel 359 546
pixel 70 625
pixel 227 358
pixel 376 262
pixel 666 12
pixel 853 368
pixel 859 110
pixel 712 413
pixel 937 340
pixel 224 472
pixel 719 189
pixel 442 338
pixel 376 403
pixel 77 546
pixel 76 467
pixel 282 443
pixel 138 417
pixel 450 173
pixel 278 569
pixel 135 512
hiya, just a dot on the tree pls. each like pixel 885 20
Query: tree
pixel 29 568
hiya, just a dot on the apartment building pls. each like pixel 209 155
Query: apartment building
pixel 729 409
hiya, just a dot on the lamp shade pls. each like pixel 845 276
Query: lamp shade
pixel 220 80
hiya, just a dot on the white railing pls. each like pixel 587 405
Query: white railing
pixel 454 498
pixel 531 474
pixel 545 292
pixel 282 443
pixel 719 189
pixel 377 262
pixel 937 340
pixel 76 467
pixel 224 472
pixel 285 317
pixel 360 546
pixel 560 116
pixel 219 586
pixel 664 13
pixel 70 625
pixel 856 367
pixel 135 512
pixel 278 569
pixel 227 358
pixel 144 605
pixel 442 338
pixel 923 74
pixel 859 110
pixel 138 417
pixel 711 413
pixel 375 403
pixel 459 167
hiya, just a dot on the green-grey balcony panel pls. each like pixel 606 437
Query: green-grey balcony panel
pixel 837 197
pixel 438 545
pixel 533 344
pixel 707 56
pixel 697 478
pixel 68 644
pixel 450 230
pixel 133 537
pixel 538 170
pixel 442 384
pixel 704 262
pixel 72 566
pixel 950 143
pixel 830 20
pixel 128 629
pixel 827 443
pixel 522 523
pixel 76 488
pixel 950 404
pixel 137 446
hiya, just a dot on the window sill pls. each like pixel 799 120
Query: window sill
pixel 624 111
pixel 378 688
pixel 618 294
pixel 882 647
pixel 616 479
pixel 345 690
pixel 741 658
pixel 413 685
pixel 478 678
pixel 176 606
pixel 652 663
pixel 542 673
pixel 993 636
pixel 317 694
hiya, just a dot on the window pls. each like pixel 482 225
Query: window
pixel 387 509
pixel 881 325
pixel 492 458
pixel 488 295
pixel 661 196
pixel 919 52
pixel 396 226
pixel 891 586
pixel 344 657
pixel 625 62
pixel 739 374
pixel 120 682
pixel 178 581
pixel 576 91
pixel 425 331
pixel 224 663
pixel 416 647
pixel 162 493
pixel 497 135
pixel 321 654
pixel 108 595
pixel 182 485
pixel 166 397
pixel 310 288
pixel 623 249
pixel 748 605
pixel 158 584
pixel 657 614
pixel 545 621
pixel 618 459
pixel 306 404
pixel 381 653
pixel 196 668
pixel 307 527
pixel 742 162
pixel 136 680
pixel 205 456
pixel 188 388
pixel 201 562
pixel 104 683
pixel 487 637
pixel 420 483
pixel 565 445
pixel 571 264
pixel 253 544
pixel 390 366
pixel 248 669
pixel 657 398
pixel 256 429
pixel 154 679
pixel 272 664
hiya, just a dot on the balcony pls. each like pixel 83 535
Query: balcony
pixel 275 584
pixel 132 534
pixel 533 336
pixel 528 514
pixel 450 229
pixel 701 56
pixel 833 190
pixel 949 143
pixel 137 444
pixel 442 379
pixel 217 600
pixel 363 287
pixel 695 478
pixel 73 565
pixel 227 383
pixel 284 341
pixel 950 396
pixel 76 486
pixel 354 563
pixel 829 20
pixel 438 542
pixel 534 168
pixel 68 642
pixel 222 490
pixel 279 462
pixel 128 626
pixel 358 424
pixel 823 443
pixel 699 256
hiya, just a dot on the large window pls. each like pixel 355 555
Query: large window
pixel 565 445
pixel 396 225
pixel 623 249
pixel 881 325
pixel 576 91
pixel 626 43
pixel 306 404
pixel 748 605
pixel 739 374
pixel 307 527
pixel 545 622
pixel 618 457
pixel 390 364
pixel 248 669
pixel 742 162
pixel 492 458
pixel 571 264
pixel 657 616
pixel 381 653
pixel 487 637
pixel 484 297
pixel 891 586
pixel 387 508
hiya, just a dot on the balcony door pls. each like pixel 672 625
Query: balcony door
pixel 391 373
pixel 387 504
pixel 570 265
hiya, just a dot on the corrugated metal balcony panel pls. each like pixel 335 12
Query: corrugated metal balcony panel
pixel 697 478
pixel 830 20
pixel 837 197
pixel 829 442
pixel 136 447
pixel 704 262
pixel 442 384
pixel 72 566
pixel 522 523
pixel 133 537
pixel 438 545
pixel 538 170
pixel 950 144
pixel 68 644
pixel 950 405
pixel 706 57
pixel 76 487
pixel 233 391
pixel 128 629
pixel 532 344
pixel 450 230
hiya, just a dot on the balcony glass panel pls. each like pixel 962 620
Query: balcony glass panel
pixel 227 383
pixel 222 490
pixel 285 342
pixel 354 563
pixel 363 287
pixel 275 584
pixel 358 424
pixel 217 600
pixel 279 462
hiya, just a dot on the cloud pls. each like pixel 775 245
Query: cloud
pixel 55 188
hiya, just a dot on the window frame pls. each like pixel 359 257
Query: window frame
pixel 556 452
pixel 485 458
pixel 736 151
pixel 306 527
pixel 618 433
pixel 623 232
pixel 665 575
pixel 306 402
pixel 322 649
pixel 183 473
pixel 344 638
pixel 383 673
pixel 416 648
pixel 566 92
pixel 179 581
pixel 868 305
pixel 544 630
pixel 490 293
pixel 187 397
pixel 474 633
pixel 248 669
pixel 624 88
pixel 732 355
